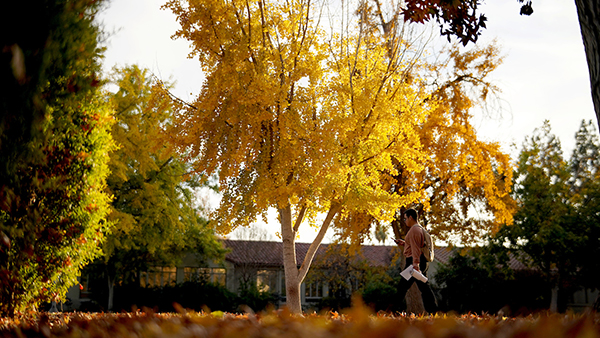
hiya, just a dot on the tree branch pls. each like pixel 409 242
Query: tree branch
pixel 312 250
pixel 299 218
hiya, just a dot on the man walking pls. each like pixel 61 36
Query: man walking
pixel 415 240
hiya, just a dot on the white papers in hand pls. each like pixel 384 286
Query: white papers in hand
pixel 418 275
pixel 407 273
pixel 411 272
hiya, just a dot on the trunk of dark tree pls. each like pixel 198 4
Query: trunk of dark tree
pixel 555 277
pixel 414 301
pixel 111 293
pixel 554 300
pixel 588 12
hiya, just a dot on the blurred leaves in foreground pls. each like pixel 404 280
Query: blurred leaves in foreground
pixel 357 322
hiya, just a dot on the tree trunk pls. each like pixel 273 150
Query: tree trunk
pixel 294 275
pixel 588 12
pixel 111 292
pixel 290 267
pixel 414 301
pixel 554 299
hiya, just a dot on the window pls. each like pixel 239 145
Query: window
pixel 158 276
pixel 266 281
pixel 314 290
pixel 84 289
pixel 212 275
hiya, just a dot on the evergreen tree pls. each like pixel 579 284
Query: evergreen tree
pixel 556 227
pixel 54 145
pixel 585 197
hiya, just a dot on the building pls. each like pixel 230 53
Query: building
pixel 261 262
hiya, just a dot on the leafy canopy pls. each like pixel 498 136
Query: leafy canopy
pixel 289 117
pixel 556 225
pixel 54 145
pixel 153 208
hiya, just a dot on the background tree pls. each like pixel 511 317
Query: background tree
pixel 555 223
pixel 381 233
pixel 461 172
pixel 54 145
pixel 467 180
pixel 463 20
pixel 584 187
pixel 256 233
pixel 156 222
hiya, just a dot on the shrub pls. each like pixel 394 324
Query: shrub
pixel 197 295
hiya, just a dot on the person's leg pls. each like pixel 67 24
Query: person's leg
pixel 403 286
pixel 429 300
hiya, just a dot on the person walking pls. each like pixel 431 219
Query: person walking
pixel 413 243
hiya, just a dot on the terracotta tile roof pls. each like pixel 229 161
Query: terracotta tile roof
pixel 442 254
pixel 266 253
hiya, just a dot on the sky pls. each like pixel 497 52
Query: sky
pixel 544 75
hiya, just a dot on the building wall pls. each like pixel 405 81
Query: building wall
pixel 579 301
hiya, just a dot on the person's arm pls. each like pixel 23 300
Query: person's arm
pixel 399 241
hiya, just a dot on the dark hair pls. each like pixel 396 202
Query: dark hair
pixel 412 213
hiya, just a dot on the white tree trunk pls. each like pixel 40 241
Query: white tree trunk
pixel 294 275
pixel 588 12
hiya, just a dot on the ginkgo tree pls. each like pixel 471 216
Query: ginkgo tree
pixel 467 179
pixel 299 120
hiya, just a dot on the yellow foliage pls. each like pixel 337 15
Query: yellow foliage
pixel 289 116
pixel 286 121
pixel 346 124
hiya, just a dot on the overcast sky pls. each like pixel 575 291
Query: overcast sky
pixel 544 74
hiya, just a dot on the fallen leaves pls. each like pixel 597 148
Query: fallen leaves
pixel 281 323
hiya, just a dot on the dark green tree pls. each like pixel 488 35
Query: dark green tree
pixel 54 145
pixel 473 282
pixel 585 191
pixel 156 222
pixel 556 228
pixel 541 229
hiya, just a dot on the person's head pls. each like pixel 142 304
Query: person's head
pixel 411 217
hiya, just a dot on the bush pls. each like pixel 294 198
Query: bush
pixel 469 286
pixel 334 303
pixel 197 296
pixel 256 300
pixel 382 296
